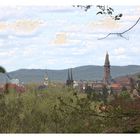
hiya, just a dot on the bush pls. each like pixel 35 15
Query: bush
pixel 62 110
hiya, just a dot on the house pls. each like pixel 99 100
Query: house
pixel 112 85
pixel 12 85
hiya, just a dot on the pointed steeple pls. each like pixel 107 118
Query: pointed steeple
pixel 107 63
pixel 68 79
pixel 71 76
pixel 68 75
pixel 46 79
pixel 107 75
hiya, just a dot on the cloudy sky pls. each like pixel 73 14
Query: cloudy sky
pixel 55 37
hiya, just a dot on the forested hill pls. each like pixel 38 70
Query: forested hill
pixel 90 72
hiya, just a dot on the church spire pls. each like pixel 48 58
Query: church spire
pixel 107 75
pixel 107 63
pixel 68 82
pixel 68 75
pixel 46 79
pixel 71 78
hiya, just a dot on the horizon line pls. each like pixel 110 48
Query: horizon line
pixel 72 67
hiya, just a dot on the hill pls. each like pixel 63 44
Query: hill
pixel 89 72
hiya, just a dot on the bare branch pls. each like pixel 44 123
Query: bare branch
pixel 105 36
pixel 121 33
pixel 131 26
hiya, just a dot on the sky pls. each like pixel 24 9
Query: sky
pixel 60 37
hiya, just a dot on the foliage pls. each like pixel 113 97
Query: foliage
pixel 139 76
pixel 103 10
pixel 2 70
pixel 61 109
pixel 106 10
pixel 125 95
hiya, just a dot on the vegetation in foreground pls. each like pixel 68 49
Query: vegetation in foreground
pixel 60 109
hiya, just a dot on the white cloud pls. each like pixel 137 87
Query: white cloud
pixel 1 43
pixel 105 23
pixel 135 50
pixel 21 27
pixel 51 61
pixel 8 53
pixel 62 39
pixel 119 51
pixel 29 52
pixel 35 38
pixel 87 48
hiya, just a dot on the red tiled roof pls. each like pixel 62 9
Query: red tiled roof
pixel 116 86
pixel 123 80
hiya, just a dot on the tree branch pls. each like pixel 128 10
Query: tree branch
pixel 121 33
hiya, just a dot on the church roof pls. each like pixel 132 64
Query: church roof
pixel 123 80
pixel 116 86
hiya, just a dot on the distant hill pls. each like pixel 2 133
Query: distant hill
pixel 136 76
pixel 89 72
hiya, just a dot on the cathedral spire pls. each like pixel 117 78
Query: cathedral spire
pixel 107 75
pixel 68 75
pixel 107 63
pixel 46 79
pixel 68 82
pixel 71 76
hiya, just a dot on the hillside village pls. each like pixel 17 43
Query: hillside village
pixel 107 84
pixel 69 69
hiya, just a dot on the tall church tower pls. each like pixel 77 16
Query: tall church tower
pixel 71 76
pixel 46 79
pixel 69 81
pixel 107 75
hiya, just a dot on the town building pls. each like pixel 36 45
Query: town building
pixel 112 85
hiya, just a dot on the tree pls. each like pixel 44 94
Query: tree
pixel 2 70
pixel 120 34
pixel 124 88
pixel 105 93
pixel 109 11
pixel 88 90
pixel 103 10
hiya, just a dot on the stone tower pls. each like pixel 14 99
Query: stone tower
pixel 68 82
pixel 46 79
pixel 70 78
pixel 107 75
